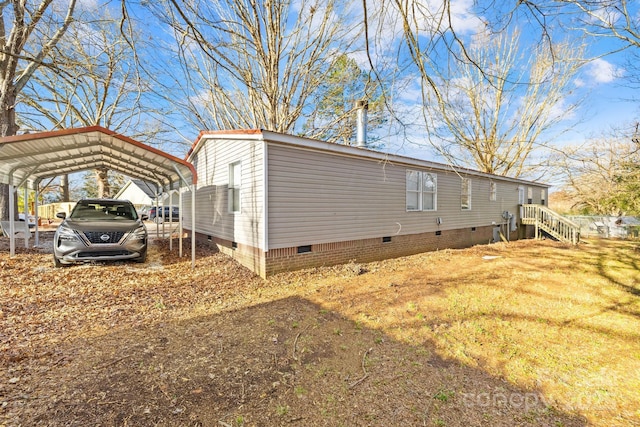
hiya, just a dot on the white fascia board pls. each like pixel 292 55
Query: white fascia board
pixel 364 153
pixel 348 151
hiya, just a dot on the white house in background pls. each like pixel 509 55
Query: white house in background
pixel 278 202
pixel 138 192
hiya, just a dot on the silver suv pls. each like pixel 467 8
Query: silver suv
pixel 100 230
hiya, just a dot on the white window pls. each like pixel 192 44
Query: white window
pixel 521 195
pixel 235 180
pixel 493 191
pixel 429 191
pixel 413 190
pixel 542 197
pixel 465 194
pixel 422 191
pixel 530 195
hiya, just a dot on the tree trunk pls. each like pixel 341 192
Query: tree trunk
pixel 4 202
pixel 64 188
pixel 7 128
pixel 102 177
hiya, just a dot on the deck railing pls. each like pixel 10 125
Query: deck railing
pixel 550 222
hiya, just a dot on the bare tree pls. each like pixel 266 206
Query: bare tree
pixel 22 22
pixel 254 64
pixel 602 177
pixel 65 194
pixel 486 102
pixel 617 19
pixel 617 22
pixel 496 102
pixel 98 83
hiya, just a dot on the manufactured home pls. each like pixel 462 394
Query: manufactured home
pixel 278 202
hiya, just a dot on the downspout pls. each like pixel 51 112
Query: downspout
pixel 193 226
pixel 180 231
pixel 265 204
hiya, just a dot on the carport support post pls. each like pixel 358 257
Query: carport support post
pixel 180 231
pixel 180 223
pixel 35 213
pixel 155 220
pixel 12 227
pixel 170 220
pixel 193 225
pixel 161 209
pixel 26 215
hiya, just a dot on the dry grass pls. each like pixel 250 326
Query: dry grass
pixel 526 333
pixel 542 316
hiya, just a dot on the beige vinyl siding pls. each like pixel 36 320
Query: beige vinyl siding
pixel 318 197
pixel 212 205
pixel 483 211
pixel 315 197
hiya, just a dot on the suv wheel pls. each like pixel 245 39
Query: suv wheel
pixel 57 263
pixel 142 258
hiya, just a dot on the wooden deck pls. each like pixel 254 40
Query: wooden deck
pixel 547 221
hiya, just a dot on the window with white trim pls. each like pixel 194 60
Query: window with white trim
pixel 465 194
pixel 520 195
pixel 422 191
pixel 543 197
pixel 529 195
pixel 235 180
pixel 493 191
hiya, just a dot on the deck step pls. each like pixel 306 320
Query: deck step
pixel 550 222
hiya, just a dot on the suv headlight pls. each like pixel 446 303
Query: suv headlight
pixel 140 233
pixel 66 233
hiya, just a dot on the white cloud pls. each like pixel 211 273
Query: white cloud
pixel 601 71
pixel 89 4
pixel 426 17
pixel 463 19
pixel 607 15
pixel 431 16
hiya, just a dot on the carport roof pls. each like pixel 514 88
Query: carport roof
pixel 33 157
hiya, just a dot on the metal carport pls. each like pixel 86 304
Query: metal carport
pixel 25 160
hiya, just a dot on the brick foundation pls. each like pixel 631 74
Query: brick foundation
pixel 366 250
pixel 248 256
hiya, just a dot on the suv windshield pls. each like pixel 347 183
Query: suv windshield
pixel 103 210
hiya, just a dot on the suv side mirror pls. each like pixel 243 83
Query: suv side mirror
pixel 144 217
pixel 61 215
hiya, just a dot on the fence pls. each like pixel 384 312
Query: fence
pixel 619 227
pixel 50 210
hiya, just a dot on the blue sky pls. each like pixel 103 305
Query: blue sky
pixel 608 100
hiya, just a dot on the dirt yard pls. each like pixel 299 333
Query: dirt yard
pixel 520 334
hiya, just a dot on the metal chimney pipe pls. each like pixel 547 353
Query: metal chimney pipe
pixel 362 107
